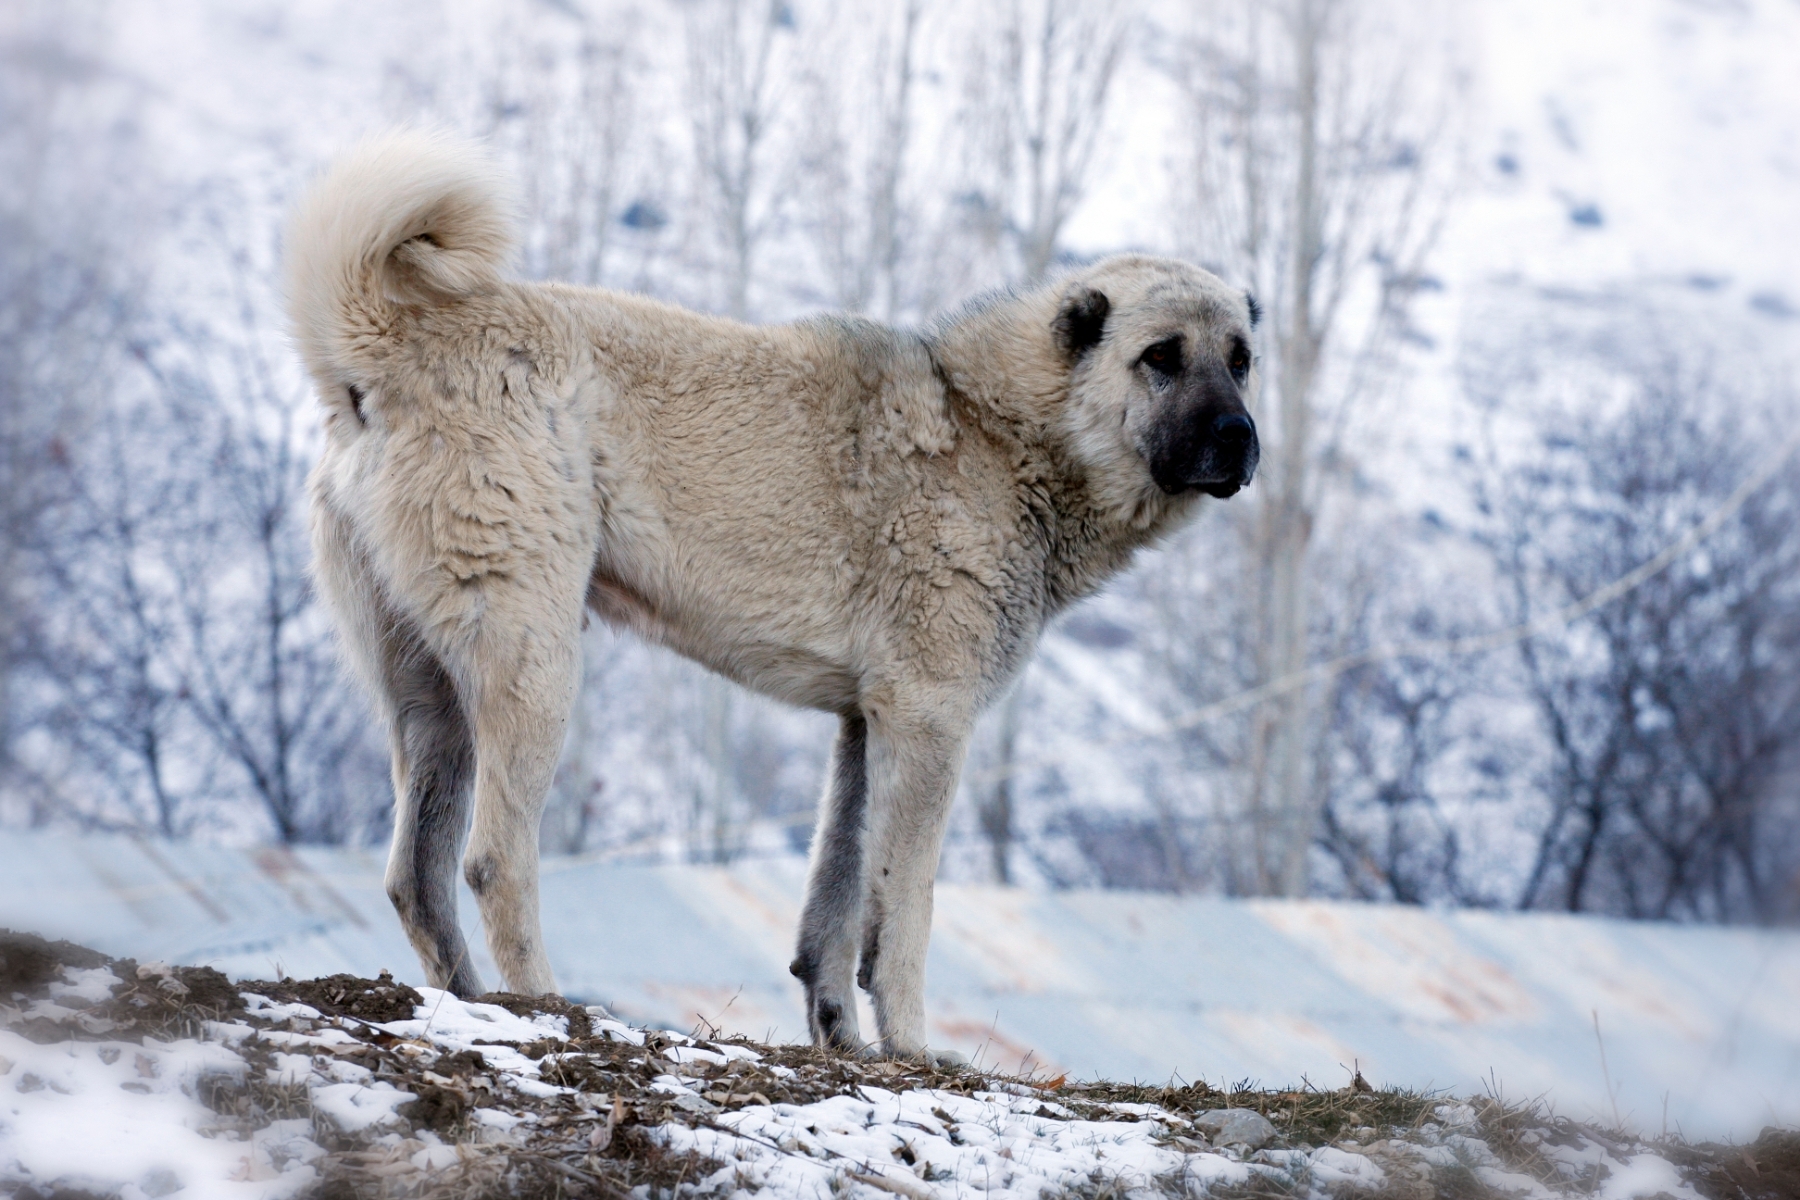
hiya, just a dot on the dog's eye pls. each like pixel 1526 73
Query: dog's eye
pixel 1165 357
pixel 1240 360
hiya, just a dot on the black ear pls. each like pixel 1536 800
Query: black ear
pixel 1255 310
pixel 1081 321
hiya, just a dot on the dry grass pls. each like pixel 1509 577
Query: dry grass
pixel 599 1142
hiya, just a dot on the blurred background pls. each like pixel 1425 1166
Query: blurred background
pixel 1532 288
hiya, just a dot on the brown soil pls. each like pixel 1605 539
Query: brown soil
pixel 28 962
pixel 596 1143
pixel 1766 1169
pixel 378 1000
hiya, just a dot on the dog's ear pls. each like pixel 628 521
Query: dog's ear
pixel 1081 321
pixel 1255 309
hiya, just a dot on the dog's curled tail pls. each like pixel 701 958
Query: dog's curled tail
pixel 408 218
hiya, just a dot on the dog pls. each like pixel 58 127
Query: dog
pixel 867 520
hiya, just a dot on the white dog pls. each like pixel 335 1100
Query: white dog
pixel 871 521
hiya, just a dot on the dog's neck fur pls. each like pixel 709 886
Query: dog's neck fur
pixel 1026 412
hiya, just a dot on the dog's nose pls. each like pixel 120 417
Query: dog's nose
pixel 1233 429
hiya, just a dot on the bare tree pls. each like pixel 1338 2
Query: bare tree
pixel 1317 184
pixel 180 649
pixel 260 669
pixel 105 637
pixel 860 120
pixel 1411 764
pixel 564 104
pixel 67 286
pixel 734 100
pixel 996 799
pixel 1037 85
pixel 573 810
pixel 1671 715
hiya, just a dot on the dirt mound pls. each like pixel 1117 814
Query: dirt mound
pixel 376 1000
pixel 149 999
pixel 357 1089
pixel 28 962
pixel 1766 1169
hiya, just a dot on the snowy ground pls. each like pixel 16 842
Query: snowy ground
pixel 129 1080
pixel 1700 1033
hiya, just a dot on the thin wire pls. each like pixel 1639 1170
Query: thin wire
pixel 1481 643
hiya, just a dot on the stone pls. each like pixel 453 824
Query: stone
pixel 1236 1127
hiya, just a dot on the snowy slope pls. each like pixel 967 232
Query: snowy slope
pixel 363 1084
pixel 1117 985
pixel 1626 143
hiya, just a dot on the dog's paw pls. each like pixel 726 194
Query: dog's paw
pixel 927 1057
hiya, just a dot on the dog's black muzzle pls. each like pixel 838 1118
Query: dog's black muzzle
pixel 1205 442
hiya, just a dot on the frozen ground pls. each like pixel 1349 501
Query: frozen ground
pixel 1700 1032
pixel 141 1080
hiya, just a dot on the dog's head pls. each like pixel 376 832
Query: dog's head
pixel 1162 376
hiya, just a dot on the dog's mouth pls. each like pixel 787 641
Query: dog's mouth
pixel 1221 479
pixel 1218 489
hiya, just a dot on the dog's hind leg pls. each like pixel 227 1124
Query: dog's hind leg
pixel 433 769
pixel 829 924
pixel 526 675
pixel 433 758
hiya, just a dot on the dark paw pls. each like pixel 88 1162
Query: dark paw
pixel 829 1018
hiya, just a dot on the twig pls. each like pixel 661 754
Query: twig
pixel 1611 1096
pixel 425 1034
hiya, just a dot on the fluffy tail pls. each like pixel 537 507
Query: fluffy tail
pixel 404 219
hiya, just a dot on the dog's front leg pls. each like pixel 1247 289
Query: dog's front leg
pixel 826 961
pixel 913 764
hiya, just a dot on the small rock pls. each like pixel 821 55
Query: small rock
pixel 688 1102
pixel 95 1024
pixel 160 1182
pixel 1236 1127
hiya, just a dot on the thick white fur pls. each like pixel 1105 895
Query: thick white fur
pixel 873 522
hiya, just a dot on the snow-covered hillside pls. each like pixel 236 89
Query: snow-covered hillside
pixel 1615 164
pixel 1631 1023
pixel 346 1086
